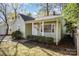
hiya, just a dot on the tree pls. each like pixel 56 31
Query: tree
pixel 15 7
pixel 3 16
pixel 71 15
pixel 44 9
pixel 49 9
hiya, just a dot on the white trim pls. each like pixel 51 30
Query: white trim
pixel 57 32
pixel 42 28
pixel 47 17
pixel 32 27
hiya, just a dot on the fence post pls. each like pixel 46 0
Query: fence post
pixel 77 39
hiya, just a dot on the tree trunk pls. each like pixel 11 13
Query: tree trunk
pixel 7 30
pixel 15 14
pixel 6 21
pixel 47 9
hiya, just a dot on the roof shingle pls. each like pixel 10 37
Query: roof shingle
pixel 26 18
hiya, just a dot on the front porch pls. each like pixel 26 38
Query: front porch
pixel 48 28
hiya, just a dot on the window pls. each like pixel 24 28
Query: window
pixel 52 27
pixel 48 28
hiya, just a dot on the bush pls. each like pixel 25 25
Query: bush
pixel 66 39
pixel 41 39
pixel 17 35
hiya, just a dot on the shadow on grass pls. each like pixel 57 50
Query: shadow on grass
pixel 58 49
pixel 28 44
pixel 5 51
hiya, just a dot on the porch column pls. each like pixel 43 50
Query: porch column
pixel 42 28
pixel 32 28
pixel 57 32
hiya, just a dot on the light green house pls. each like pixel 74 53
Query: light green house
pixel 49 26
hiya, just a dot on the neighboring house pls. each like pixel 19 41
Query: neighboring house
pixel 50 26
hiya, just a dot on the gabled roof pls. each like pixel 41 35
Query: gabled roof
pixel 26 18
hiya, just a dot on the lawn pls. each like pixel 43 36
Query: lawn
pixel 28 48
pixel 14 48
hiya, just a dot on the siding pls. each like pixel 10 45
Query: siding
pixel 28 29
pixel 19 22
pixel 2 29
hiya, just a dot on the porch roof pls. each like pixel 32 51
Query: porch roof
pixel 45 18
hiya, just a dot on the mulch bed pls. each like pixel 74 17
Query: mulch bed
pixel 66 49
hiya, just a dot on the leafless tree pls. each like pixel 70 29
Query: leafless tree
pixel 3 16
pixel 49 8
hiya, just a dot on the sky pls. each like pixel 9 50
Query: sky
pixel 25 8
pixel 32 8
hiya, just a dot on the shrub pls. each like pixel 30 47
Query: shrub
pixel 66 39
pixel 41 39
pixel 17 35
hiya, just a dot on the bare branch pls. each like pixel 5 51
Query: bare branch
pixel 2 19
